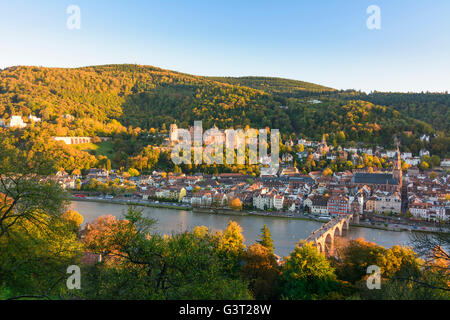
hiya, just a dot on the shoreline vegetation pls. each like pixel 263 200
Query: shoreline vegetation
pixel 230 212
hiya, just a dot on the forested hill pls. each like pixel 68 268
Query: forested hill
pixel 280 86
pixel 433 108
pixel 150 97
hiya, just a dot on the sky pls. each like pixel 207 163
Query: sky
pixel 320 41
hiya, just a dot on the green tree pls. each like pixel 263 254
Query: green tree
pixel 308 274
pixel 435 161
pixel 24 195
pixel 266 239
pixel 35 255
pixel 145 265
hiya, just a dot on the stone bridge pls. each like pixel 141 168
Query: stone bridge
pixel 324 237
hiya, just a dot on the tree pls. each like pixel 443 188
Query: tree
pixel 151 266
pixel 437 259
pixel 266 239
pixel 424 165
pixel 399 261
pixel 340 136
pixel 307 274
pixel 409 278
pixel 108 165
pixel 432 245
pixel 96 140
pixel 101 236
pixel 25 193
pixel 261 270
pixel 355 256
pixel 34 259
pixel 200 231
pixel 232 239
pixel 133 172
pixel 231 247
pixel 435 161
pixel 177 169
pixel 235 204
pixel 74 217
pixel 405 166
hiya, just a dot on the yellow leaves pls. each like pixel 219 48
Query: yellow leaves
pixel 305 262
pixel 236 204
pixel 200 231
pixel 232 239
pixel 398 257
pixel 73 216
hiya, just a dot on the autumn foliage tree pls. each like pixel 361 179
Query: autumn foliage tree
pixel 107 236
pixel 235 204
pixel 354 257
pixel 74 217
pixel 262 272
pixel 151 266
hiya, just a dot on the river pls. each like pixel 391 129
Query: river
pixel 285 232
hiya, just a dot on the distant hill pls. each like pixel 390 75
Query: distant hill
pixel 277 85
pixel 433 108
pixel 146 97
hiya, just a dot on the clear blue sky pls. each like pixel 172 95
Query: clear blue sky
pixel 325 42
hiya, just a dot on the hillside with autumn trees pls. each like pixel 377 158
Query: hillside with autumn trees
pixel 131 102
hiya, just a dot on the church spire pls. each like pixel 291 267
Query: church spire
pixel 397 170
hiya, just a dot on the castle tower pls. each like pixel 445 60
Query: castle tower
pixel 397 171
pixel 173 133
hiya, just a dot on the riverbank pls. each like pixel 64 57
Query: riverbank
pixel 134 203
pixel 176 206
pixel 286 232
pixel 228 212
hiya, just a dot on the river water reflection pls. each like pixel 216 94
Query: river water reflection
pixel 285 232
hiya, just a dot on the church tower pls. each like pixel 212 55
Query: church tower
pixel 397 171
pixel 323 147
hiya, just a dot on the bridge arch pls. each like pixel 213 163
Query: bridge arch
pixel 326 236
pixel 346 223
pixel 337 231
pixel 319 247
pixel 328 243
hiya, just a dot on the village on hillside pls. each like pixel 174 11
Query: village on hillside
pixel 416 197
